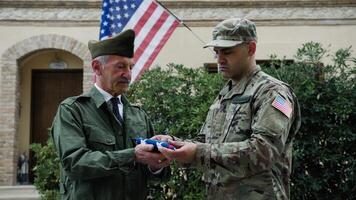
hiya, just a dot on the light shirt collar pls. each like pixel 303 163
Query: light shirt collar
pixel 105 94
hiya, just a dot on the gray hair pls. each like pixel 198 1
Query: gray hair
pixel 102 59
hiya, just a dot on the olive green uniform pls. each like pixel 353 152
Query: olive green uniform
pixel 95 150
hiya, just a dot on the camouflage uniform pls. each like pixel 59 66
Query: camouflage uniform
pixel 246 141
pixel 247 152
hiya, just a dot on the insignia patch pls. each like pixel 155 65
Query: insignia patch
pixel 283 105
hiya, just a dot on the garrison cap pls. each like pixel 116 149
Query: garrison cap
pixel 232 32
pixel 121 44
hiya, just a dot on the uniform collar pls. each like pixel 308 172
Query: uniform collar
pixel 238 87
pixel 107 96
pixel 99 98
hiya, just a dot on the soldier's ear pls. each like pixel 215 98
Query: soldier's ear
pixel 252 48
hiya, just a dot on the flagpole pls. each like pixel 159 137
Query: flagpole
pixel 182 23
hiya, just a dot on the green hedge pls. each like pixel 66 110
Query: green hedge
pixel 47 170
pixel 177 100
pixel 324 150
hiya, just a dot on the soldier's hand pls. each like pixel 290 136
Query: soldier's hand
pixel 162 137
pixel 144 154
pixel 184 152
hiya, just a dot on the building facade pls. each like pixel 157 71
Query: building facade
pixel 44 54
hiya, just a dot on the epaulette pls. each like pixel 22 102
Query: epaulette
pixel 71 100
pixel 136 106
pixel 139 108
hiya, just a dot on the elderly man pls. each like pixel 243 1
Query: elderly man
pixel 92 132
pixel 245 145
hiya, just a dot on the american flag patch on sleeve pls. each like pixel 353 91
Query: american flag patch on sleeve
pixel 283 105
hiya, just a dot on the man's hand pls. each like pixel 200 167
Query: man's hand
pixel 145 155
pixel 162 137
pixel 184 153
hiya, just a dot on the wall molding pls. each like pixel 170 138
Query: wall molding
pixel 181 3
pixel 195 17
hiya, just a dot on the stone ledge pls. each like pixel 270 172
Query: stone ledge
pixel 190 23
pixel 191 16
pixel 27 192
pixel 181 3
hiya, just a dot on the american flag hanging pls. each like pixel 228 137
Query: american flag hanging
pixel 283 105
pixel 152 24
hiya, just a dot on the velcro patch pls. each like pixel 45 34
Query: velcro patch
pixel 283 105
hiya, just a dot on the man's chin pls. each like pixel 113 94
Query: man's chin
pixel 121 88
pixel 225 74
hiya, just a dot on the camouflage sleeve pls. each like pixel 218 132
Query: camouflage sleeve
pixel 201 136
pixel 270 129
pixel 78 161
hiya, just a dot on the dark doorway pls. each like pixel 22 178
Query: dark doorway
pixel 49 88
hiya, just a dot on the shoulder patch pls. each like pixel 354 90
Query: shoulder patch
pixel 283 105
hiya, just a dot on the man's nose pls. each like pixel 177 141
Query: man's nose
pixel 220 58
pixel 126 73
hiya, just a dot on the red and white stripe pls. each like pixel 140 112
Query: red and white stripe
pixel 153 26
pixel 283 105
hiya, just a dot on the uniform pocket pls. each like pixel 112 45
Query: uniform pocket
pixel 240 124
pixel 137 129
pixel 101 142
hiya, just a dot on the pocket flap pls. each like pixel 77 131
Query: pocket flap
pixel 103 139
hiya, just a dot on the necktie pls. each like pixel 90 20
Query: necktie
pixel 115 101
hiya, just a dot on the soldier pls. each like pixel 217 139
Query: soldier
pixel 245 145
pixel 92 132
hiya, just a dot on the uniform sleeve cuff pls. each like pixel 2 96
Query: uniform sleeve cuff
pixel 202 156
pixel 125 159
pixel 155 172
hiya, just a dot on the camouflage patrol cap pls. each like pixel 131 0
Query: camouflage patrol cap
pixel 121 44
pixel 232 32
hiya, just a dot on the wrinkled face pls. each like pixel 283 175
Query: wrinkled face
pixel 234 61
pixel 113 75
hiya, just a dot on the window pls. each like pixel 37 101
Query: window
pixel 211 67
pixel 277 63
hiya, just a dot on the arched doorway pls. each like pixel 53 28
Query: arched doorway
pixel 47 77
pixel 32 58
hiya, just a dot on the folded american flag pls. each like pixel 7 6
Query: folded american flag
pixel 152 24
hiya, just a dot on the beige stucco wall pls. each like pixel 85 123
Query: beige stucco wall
pixel 27 26
pixel 185 49
pixel 182 48
pixel 39 60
